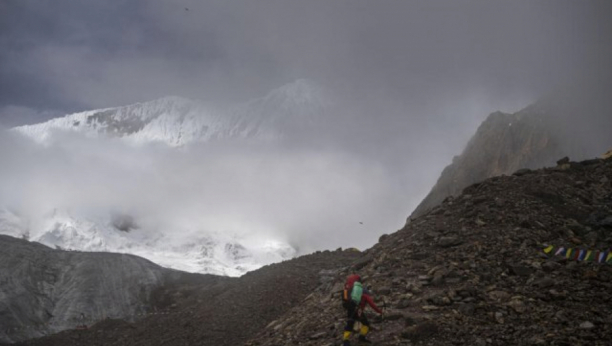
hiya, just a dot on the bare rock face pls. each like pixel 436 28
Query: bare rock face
pixel 503 144
pixel 572 122
pixel 43 290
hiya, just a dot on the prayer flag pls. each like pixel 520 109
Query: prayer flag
pixel 560 252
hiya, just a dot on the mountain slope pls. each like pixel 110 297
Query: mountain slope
pixel 574 121
pixel 44 291
pixel 227 313
pixel 472 270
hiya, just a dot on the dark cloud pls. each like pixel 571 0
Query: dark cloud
pixel 91 53
pixel 11 116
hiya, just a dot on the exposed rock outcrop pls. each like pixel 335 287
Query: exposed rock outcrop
pixel 572 122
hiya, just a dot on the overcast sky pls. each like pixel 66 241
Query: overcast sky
pixel 423 72
pixel 412 57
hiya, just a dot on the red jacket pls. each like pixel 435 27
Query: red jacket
pixel 348 285
pixel 365 298
pixel 350 281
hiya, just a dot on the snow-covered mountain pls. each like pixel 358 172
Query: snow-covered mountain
pixel 177 121
pixel 212 253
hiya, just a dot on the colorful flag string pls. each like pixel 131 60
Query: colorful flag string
pixel 579 254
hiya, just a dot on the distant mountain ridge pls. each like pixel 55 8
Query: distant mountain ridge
pixel 177 121
pixel 573 121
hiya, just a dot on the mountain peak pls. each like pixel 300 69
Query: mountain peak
pixel 177 120
pixel 299 91
pixel 573 121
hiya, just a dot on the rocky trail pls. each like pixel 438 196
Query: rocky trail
pixel 472 270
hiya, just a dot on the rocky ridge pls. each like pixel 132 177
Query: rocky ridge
pixel 573 121
pixel 471 271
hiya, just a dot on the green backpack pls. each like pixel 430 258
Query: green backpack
pixel 357 292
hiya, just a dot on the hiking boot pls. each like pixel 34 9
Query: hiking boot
pixel 364 340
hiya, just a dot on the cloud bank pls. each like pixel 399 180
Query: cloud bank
pixel 313 200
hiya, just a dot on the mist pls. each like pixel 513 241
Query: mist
pixel 412 81
pixel 311 199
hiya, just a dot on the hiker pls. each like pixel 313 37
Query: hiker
pixel 355 297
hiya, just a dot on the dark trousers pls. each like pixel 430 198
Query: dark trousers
pixel 353 314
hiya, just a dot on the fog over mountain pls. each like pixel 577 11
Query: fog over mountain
pixel 407 84
pixel 187 181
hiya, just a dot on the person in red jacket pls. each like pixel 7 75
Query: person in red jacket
pixel 348 286
pixel 355 312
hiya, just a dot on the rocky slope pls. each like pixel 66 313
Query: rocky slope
pixel 225 313
pixel 44 291
pixel 573 121
pixel 472 270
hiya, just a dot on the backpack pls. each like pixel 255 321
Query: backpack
pixel 357 292
pixel 348 289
